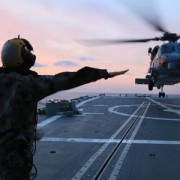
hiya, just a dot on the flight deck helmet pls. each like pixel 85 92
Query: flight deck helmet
pixel 17 53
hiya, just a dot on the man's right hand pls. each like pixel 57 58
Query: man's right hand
pixel 117 73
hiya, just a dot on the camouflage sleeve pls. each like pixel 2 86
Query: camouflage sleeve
pixel 66 80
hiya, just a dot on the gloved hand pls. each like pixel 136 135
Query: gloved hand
pixel 113 74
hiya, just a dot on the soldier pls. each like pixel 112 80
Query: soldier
pixel 20 91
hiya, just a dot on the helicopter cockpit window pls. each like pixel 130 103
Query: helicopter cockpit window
pixel 167 48
pixel 170 47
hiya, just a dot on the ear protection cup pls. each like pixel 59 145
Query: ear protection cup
pixel 27 43
pixel 28 57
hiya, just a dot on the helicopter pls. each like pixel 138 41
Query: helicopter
pixel 164 63
pixel 164 66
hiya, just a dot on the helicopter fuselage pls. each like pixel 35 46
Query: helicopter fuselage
pixel 164 66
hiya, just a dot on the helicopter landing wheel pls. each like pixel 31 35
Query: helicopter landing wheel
pixel 162 94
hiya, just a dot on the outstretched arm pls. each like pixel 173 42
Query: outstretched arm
pixel 69 80
pixel 83 76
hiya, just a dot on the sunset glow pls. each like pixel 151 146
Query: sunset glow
pixel 53 28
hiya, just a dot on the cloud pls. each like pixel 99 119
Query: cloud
pixel 86 59
pixel 65 64
pixel 39 65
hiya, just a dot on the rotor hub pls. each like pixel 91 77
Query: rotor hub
pixel 171 37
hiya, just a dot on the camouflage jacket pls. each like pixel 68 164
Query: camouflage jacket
pixel 20 92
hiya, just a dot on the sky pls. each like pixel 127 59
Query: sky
pixel 54 27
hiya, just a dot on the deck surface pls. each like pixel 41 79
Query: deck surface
pixel 128 138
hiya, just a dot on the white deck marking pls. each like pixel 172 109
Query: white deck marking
pixel 125 151
pixel 101 105
pixel 113 110
pixel 158 103
pixel 79 140
pixel 93 113
pixel 86 166
pixel 158 142
pixel 167 109
pixel 54 118
pixel 173 105
pixel 82 103
pixel 173 110
pixel 47 121
pixel 126 141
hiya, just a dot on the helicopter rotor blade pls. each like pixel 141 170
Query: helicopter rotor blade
pixel 96 42
pixel 146 10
